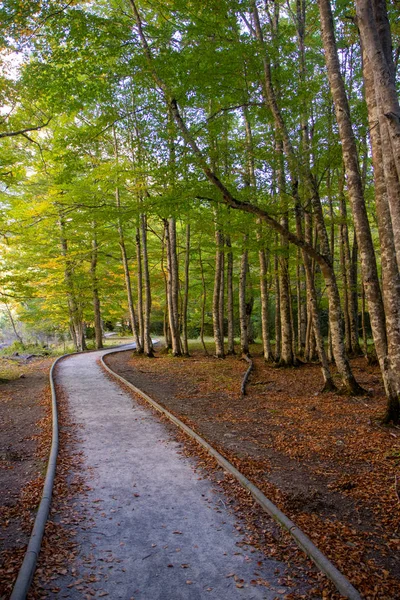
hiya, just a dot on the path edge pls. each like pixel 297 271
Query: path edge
pixel 341 582
pixel 27 569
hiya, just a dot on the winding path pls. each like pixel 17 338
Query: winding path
pixel 152 527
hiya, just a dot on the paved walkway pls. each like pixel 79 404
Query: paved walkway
pixel 153 528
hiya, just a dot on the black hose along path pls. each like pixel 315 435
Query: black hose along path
pixel 27 570
pixel 26 573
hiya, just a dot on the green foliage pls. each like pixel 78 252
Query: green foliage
pixel 83 66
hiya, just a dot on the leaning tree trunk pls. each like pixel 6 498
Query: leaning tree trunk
pixel 17 335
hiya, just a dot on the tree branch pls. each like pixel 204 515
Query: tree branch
pixel 227 196
pixel 24 131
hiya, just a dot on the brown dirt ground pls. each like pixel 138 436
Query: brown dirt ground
pixel 324 459
pixel 24 448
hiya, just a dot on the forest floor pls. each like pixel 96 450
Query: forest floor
pixel 25 438
pixel 323 458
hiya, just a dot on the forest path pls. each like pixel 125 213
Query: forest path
pixel 151 526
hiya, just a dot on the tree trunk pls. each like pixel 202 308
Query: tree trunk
pixel 262 255
pixel 218 334
pixel 390 270
pixel 301 305
pixel 166 328
pixel 173 285
pixel 203 303
pixel 277 312
pixel 147 343
pixel 17 336
pixel 388 107
pixel 139 288
pixel 186 294
pixel 222 293
pixel 230 301
pixel 243 321
pixel 313 302
pixel 95 293
pixel 230 200
pixel 127 276
pixel 354 182
pixel 73 306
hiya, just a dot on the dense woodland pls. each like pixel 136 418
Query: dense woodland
pixel 192 168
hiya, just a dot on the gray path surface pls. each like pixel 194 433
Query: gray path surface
pixel 153 527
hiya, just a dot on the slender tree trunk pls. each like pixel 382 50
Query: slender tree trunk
pixel 95 292
pixel 73 306
pixel 243 321
pixel 222 293
pixel 173 286
pixel 167 331
pixel 353 279
pixel 349 280
pixel 301 305
pixel 313 302
pixel 363 325
pixel 203 303
pixel 128 284
pixel 147 343
pixel 218 334
pixel 287 359
pixel 277 312
pixel 186 294
pixel 17 335
pixel 262 255
pixel 139 287
pixel 230 301
pixel 344 271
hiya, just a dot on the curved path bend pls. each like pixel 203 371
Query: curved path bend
pixel 151 527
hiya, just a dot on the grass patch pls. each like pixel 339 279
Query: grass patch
pixel 10 371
